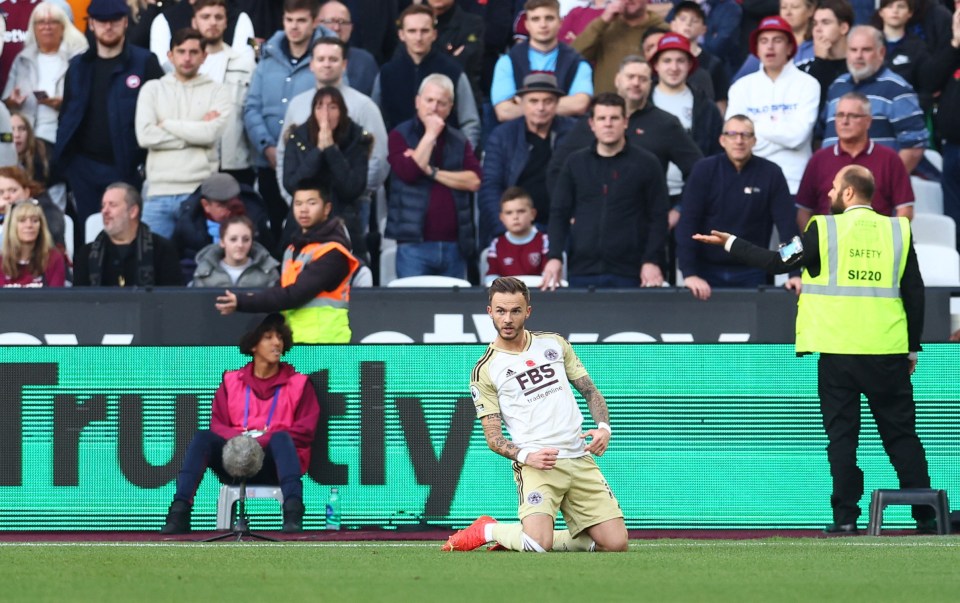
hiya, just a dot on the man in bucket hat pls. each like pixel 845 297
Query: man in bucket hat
pixel 674 62
pixel 781 100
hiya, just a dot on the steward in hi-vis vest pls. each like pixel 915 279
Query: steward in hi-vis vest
pixel 861 307
pixel 314 291
pixel 853 305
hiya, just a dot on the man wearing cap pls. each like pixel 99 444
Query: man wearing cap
pixel 519 151
pixel 542 52
pixel 674 62
pixel 219 197
pixel 897 118
pixel 180 119
pixel 616 34
pixel 781 100
pixel 96 144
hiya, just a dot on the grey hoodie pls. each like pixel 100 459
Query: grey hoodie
pixel 262 272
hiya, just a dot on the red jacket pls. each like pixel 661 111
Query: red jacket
pixel 296 412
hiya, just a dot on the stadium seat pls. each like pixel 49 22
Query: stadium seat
pixel 928 195
pixel 932 229
pixel 388 262
pixel 934 157
pixel 229 495
pixel 484 264
pixel 68 235
pixel 363 277
pixel 429 281
pixel 940 266
pixel 909 496
pixel 92 227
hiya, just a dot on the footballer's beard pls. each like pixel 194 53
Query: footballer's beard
pixel 515 331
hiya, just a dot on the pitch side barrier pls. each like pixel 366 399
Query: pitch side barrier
pixel 705 435
pixel 186 317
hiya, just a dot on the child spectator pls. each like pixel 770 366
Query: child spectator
pixel 236 260
pixel 906 51
pixel 690 21
pixel 522 250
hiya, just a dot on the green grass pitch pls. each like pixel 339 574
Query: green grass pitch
pixel 924 569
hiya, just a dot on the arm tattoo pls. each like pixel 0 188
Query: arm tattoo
pixel 493 432
pixel 595 400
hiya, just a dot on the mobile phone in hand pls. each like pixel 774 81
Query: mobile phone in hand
pixel 41 95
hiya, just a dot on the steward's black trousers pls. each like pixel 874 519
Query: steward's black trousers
pixel 885 381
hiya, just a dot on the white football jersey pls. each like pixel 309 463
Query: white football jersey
pixel 531 390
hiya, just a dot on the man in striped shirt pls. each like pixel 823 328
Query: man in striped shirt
pixel 897 117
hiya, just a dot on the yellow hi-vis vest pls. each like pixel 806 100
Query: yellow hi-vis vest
pixel 324 318
pixel 853 306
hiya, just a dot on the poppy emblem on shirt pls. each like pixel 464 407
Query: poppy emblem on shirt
pixel 531 363
pixel 133 82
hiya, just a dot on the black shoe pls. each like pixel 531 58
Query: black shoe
pixel 927 526
pixel 292 516
pixel 178 518
pixel 842 529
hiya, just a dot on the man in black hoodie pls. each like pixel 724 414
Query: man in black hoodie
pixel 314 291
pixel 611 201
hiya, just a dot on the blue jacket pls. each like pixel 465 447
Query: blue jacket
pixel 137 66
pixel 504 160
pixel 362 70
pixel 400 79
pixel 568 61
pixel 749 202
pixel 723 31
pixel 275 82
pixel 408 203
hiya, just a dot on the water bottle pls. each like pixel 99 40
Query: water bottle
pixel 333 510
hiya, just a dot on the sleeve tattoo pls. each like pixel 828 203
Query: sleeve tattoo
pixel 595 400
pixel 493 432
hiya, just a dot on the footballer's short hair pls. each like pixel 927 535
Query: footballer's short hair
pixel 508 285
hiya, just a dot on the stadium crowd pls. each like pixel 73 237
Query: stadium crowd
pixel 573 139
